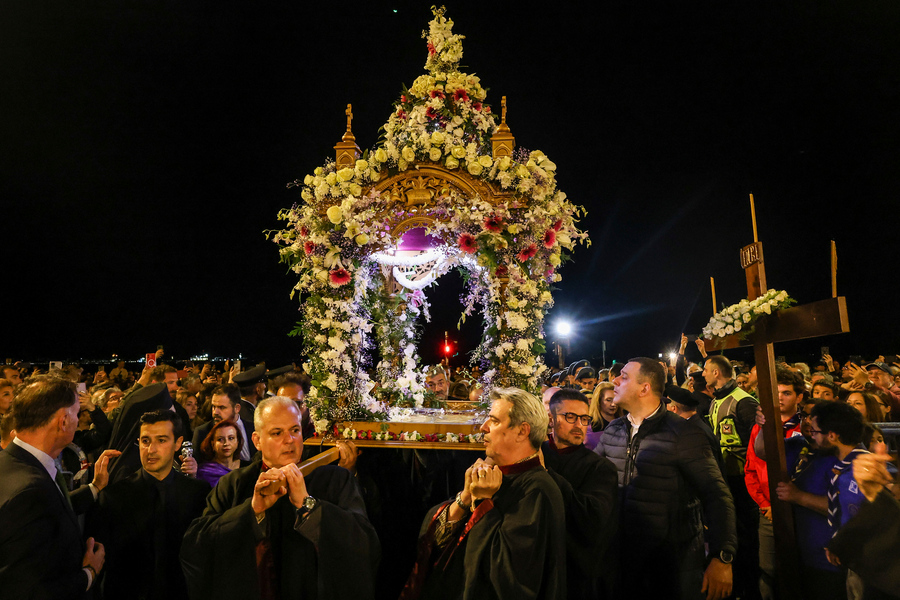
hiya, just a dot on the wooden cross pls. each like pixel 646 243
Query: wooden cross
pixel 825 317
pixel 503 109
pixel 349 113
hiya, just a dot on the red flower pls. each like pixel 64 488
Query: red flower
pixel 431 49
pixel 401 113
pixel 437 94
pixel 460 94
pixel 403 98
pixel 501 271
pixel 477 106
pixel 339 277
pixel 304 231
pixel 494 224
pixel 467 243
pixel 558 225
pixel 527 253
pixel 487 109
pixel 308 247
pixel 431 113
pixel 549 238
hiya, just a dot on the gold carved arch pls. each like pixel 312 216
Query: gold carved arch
pixel 416 190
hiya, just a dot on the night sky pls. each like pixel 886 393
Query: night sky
pixel 146 146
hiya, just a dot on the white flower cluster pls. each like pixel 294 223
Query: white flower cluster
pixel 740 317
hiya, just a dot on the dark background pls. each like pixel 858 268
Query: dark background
pixel 146 146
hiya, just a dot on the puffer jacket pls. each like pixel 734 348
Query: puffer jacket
pixel 662 472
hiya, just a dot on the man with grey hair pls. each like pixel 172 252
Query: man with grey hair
pixel 503 535
pixel 286 535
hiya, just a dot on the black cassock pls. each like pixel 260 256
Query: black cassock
pixel 141 521
pixel 331 553
pixel 512 546
pixel 590 487
pixel 127 427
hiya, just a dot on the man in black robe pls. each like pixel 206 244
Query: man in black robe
pixel 504 534
pixel 589 487
pixel 142 519
pixel 270 532
pixel 127 426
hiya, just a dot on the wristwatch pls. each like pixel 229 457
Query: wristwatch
pixel 309 504
pixel 726 557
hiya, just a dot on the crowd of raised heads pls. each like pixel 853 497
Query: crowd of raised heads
pixel 643 466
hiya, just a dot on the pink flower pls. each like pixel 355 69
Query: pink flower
pixel 494 224
pixel 501 271
pixel 339 277
pixel 416 299
pixel 558 225
pixel 460 94
pixel 549 238
pixel 527 253
pixel 467 243
pixel 308 247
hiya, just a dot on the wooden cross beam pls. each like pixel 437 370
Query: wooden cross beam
pixel 826 317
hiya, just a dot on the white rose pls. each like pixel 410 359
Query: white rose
pixel 474 168
pixel 380 155
pixel 408 154
pixel 435 154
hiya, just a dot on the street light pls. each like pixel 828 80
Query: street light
pixel 563 330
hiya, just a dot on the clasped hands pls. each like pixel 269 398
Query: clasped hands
pixel 275 483
pixel 483 480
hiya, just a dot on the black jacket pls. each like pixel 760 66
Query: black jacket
pixel 662 471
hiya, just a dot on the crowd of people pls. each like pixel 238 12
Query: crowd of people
pixel 647 479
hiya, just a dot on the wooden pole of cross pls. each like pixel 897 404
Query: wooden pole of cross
pixel 825 317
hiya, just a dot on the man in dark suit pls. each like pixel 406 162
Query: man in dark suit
pixel 42 555
pixel 142 519
pixel 226 406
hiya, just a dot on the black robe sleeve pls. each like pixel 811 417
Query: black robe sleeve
pixel 590 512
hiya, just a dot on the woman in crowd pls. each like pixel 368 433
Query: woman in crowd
pixel 867 404
pixel 188 401
pixel 602 409
pixel 219 452
pixel 7 391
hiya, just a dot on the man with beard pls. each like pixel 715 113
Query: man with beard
pixel 503 536
pixel 268 531
pixel 588 486
pixel 809 466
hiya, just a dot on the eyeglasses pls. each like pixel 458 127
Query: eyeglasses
pixel 572 417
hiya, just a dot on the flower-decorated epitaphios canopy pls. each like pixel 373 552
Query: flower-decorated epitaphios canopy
pixel 446 188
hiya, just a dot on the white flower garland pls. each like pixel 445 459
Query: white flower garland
pixel 739 318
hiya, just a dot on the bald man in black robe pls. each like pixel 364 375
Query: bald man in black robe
pixel 269 532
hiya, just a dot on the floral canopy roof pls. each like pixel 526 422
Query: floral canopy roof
pixel 494 211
